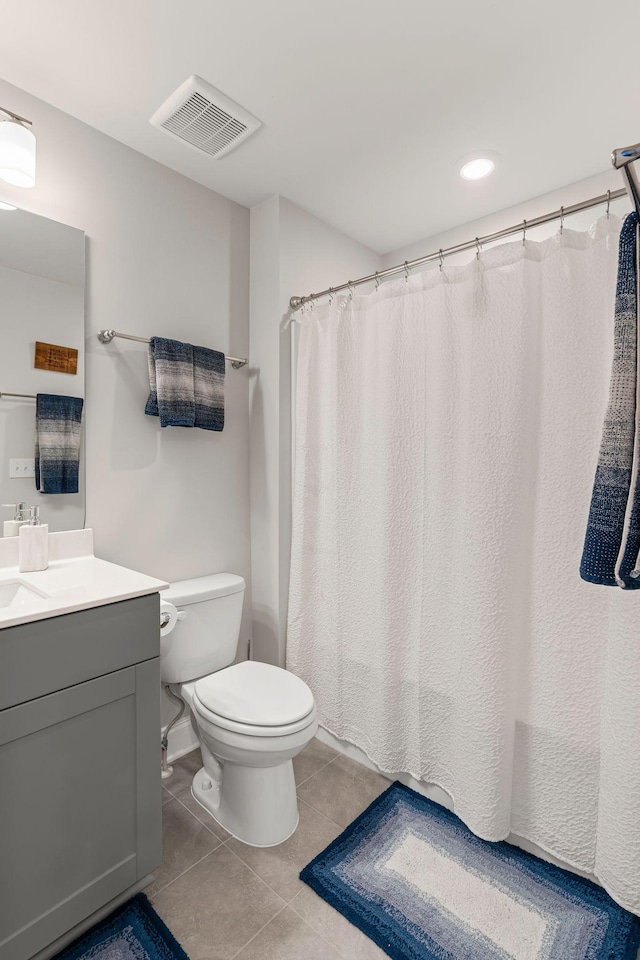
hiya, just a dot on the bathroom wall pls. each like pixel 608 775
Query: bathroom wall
pixel 165 256
pixel 292 252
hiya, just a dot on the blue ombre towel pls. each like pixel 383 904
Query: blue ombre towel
pixel 171 383
pixel 186 385
pixel 208 384
pixel 58 431
pixel 612 541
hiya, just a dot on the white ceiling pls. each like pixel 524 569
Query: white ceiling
pixel 366 106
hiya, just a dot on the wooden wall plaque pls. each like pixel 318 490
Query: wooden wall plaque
pixel 51 356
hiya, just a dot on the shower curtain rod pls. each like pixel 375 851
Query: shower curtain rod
pixel 297 302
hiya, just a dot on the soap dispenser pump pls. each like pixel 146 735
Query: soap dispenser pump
pixel 11 528
pixel 33 544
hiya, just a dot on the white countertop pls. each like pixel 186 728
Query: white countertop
pixel 74 580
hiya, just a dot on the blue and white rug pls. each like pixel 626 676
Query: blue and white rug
pixel 132 932
pixel 412 877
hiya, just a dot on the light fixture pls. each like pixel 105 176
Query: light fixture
pixel 479 164
pixel 17 151
pixel 478 168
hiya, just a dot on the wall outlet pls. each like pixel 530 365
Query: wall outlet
pixel 21 468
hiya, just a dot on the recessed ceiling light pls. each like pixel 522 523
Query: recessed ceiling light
pixel 477 168
pixel 7 206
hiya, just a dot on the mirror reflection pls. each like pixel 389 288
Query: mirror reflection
pixel 41 352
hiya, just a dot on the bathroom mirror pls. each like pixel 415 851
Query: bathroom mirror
pixel 41 299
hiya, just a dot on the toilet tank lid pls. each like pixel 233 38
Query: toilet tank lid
pixel 203 588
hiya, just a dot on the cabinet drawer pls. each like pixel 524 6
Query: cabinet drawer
pixel 48 655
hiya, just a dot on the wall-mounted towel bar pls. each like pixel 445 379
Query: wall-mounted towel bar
pixel 26 396
pixel 106 336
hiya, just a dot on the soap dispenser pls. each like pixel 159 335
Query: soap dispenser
pixel 33 544
pixel 11 528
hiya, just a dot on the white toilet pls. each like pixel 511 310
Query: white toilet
pixel 251 718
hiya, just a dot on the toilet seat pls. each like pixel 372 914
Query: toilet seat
pixel 251 730
pixel 254 699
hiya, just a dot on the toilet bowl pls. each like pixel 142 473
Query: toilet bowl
pixel 250 718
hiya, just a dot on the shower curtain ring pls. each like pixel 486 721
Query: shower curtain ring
pixel 406 271
pixel 478 248
pixel 441 255
pixel 608 202
pixel 351 289
pixel 524 233
pixel 561 220
pixel 377 280
pixel 330 295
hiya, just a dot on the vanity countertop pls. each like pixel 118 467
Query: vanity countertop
pixel 74 580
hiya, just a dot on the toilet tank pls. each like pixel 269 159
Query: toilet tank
pixel 205 639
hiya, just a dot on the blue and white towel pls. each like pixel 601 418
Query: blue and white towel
pixel 58 432
pixel 186 385
pixel 612 542
pixel 208 388
pixel 171 383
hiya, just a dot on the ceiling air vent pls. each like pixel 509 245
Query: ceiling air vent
pixel 201 116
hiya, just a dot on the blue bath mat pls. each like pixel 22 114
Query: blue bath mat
pixel 132 932
pixel 412 877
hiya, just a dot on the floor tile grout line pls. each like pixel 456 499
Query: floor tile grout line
pixel 167 780
pixel 220 844
pixel 316 771
pixel 261 879
pixel 309 804
pixel 336 949
pixel 333 823
pixel 171 793
pixel 245 945
pixel 343 756
pixel 201 822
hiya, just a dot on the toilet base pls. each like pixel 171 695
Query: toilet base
pixel 257 805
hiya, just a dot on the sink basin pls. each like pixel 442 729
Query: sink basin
pixel 17 593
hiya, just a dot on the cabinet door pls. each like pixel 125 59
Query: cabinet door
pixel 72 799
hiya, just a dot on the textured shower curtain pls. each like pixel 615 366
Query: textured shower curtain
pixel 447 435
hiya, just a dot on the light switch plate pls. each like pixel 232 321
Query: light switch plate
pixel 21 468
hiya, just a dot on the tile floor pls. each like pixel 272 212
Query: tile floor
pixel 224 900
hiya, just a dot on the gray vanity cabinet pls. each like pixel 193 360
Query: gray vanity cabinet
pixel 80 794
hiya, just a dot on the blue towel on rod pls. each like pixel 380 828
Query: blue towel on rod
pixel 208 381
pixel 186 385
pixel 612 541
pixel 171 383
pixel 58 432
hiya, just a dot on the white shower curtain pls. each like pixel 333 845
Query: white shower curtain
pixel 447 435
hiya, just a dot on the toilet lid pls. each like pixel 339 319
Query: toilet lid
pixel 255 693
